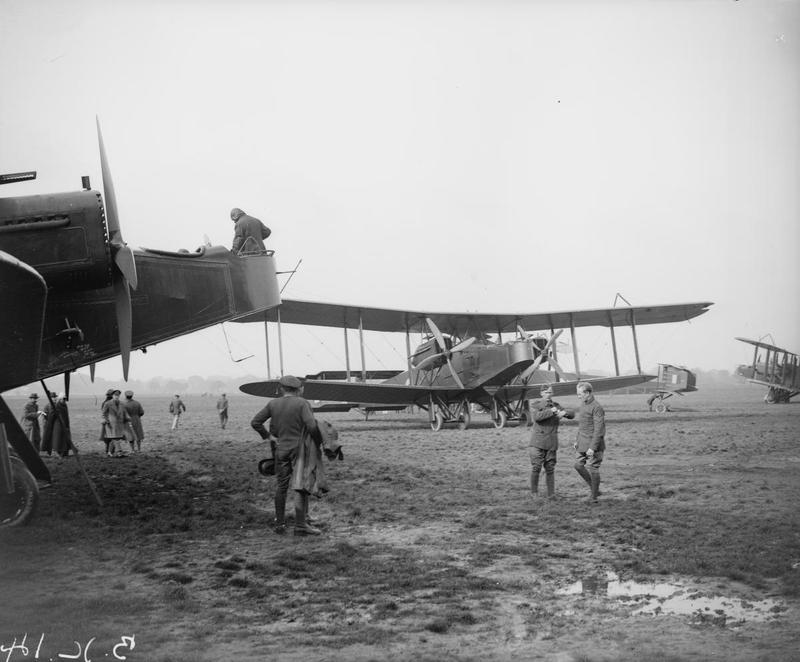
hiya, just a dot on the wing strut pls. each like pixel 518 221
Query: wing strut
pixel 635 342
pixel 613 343
pixel 574 346
pixel 361 343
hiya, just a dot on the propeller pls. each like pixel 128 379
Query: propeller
pixel 123 275
pixel 446 353
pixel 545 349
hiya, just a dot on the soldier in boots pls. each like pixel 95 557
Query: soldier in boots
pixel 546 416
pixel 289 416
pixel 590 443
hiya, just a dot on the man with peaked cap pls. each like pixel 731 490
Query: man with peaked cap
pixel 30 421
pixel 134 430
pixel 249 233
pixel 290 418
pixel 543 444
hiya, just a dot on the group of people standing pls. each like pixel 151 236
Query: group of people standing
pixel 121 422
pixel 54 436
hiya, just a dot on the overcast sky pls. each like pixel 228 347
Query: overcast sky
pixel 483 156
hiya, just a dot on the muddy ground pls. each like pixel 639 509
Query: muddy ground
pixel 432 546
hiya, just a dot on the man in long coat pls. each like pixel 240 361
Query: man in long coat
pixel 115 419
pixel 135 429
pixel 30 421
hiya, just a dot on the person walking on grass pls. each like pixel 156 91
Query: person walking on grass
pixel 176 408
pixel 546 416
pixel 590 443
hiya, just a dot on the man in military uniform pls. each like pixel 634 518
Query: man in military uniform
pixel 546 416
pixel 290 416
pixel 590 443
pixel 249 233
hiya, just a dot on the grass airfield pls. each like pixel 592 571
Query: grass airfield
pixel 432 547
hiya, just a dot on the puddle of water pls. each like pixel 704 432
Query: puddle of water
pixel 656 598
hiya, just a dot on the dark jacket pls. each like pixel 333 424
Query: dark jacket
pixel 249 235
pixel 544 432
pixel 289 418
pixel 591 426
pixel 135 412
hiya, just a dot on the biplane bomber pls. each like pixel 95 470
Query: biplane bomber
pixel 464 365
pixel 779 371
pixel 73 293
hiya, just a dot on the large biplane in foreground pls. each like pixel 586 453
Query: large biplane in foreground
pixel 779 371
pixel 73 293
pixel 460 363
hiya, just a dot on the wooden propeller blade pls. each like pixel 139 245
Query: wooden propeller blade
pixel 66 383
pixel 122 301
pixel 462 345
pixel 436 334
pixel 453 372
pixel 123 256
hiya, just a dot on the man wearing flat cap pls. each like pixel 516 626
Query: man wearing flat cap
pixel 249 233
pixel 30 421
pixel 134 430
pixel 290 419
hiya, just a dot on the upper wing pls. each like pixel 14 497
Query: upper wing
pixel 23 295
pixel 293 311
pixel 518 391
pixel 358 392
pixel 763 345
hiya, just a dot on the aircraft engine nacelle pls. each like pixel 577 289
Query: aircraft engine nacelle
pixel 62 235
pixel 521 350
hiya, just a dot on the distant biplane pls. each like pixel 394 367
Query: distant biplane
pixel 74 293
pixel 779 371
pixel 450 371
pixel 672 380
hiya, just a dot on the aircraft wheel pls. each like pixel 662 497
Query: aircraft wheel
pixel 525 419
pixel 437 422
pixel 501 420
pixel 464 418
pixel 661 407
pixel 18 507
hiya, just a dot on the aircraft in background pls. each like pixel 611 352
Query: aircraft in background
pixel 672 380
pixel 779 371
pixel 450 371
pixel 74 293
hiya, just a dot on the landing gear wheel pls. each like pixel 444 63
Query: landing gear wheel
pixel 661 407
pixel 525 420
pixel 18 507
pixel 501 420
pixel 437 421
pixel 464 418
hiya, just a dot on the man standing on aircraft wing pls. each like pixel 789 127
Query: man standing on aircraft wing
pixel 249 233
pixel 546 416
pixel 590 443
pixel 291 418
